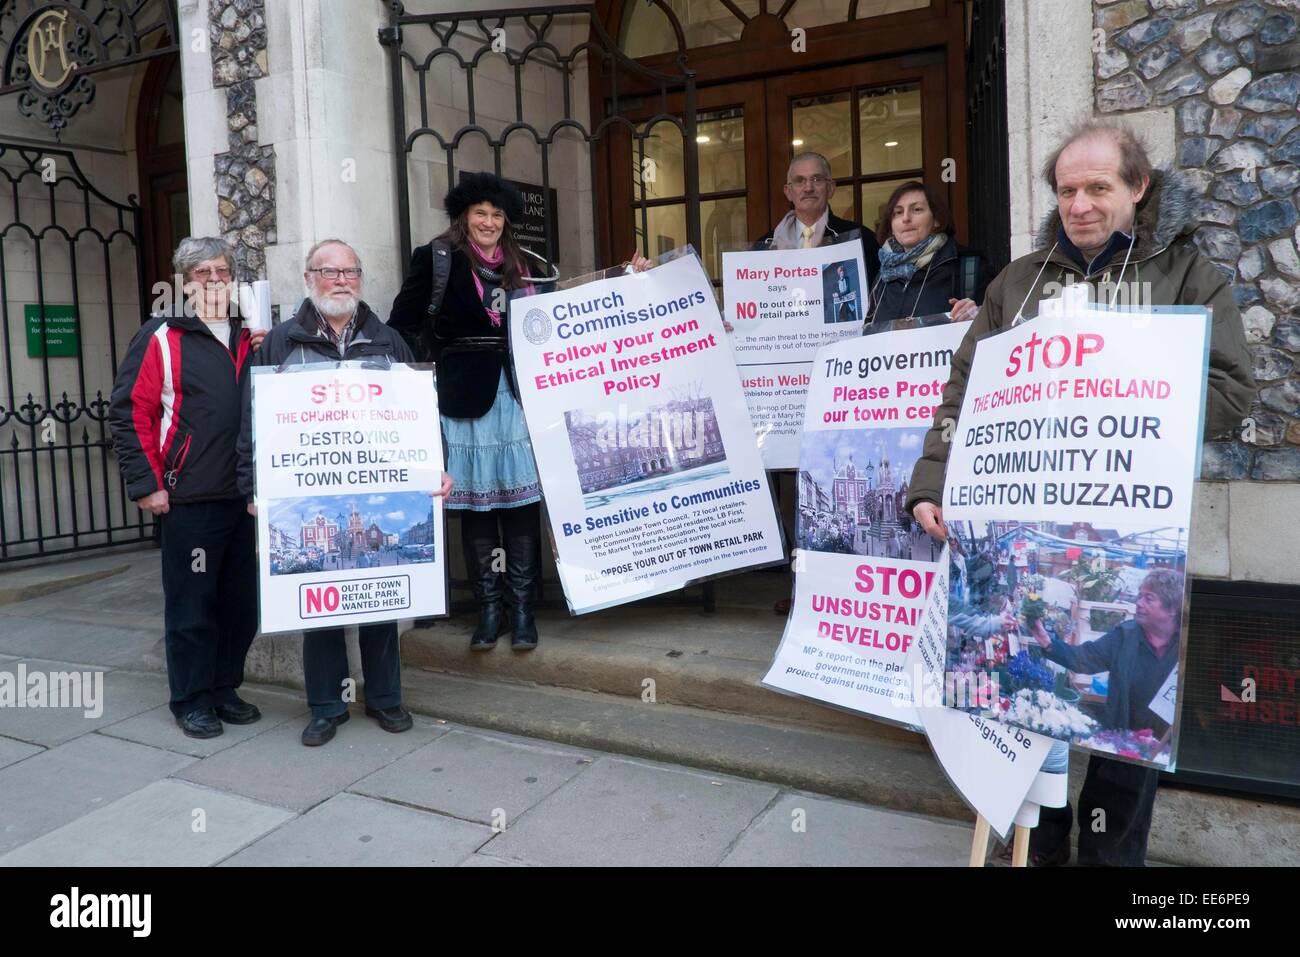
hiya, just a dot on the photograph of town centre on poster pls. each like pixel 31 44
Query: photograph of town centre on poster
pixel 1068 499
pixel 643 442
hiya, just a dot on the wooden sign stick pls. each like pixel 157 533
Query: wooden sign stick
pixel 1020 847
pixel 979 846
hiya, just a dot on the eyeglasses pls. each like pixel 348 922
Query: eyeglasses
pixel 798 182
pixel 351 274
pixel 219 273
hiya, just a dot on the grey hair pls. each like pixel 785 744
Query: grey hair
pixel 1134 163
pixel 809 155
pixel 196 249
pixel 311 253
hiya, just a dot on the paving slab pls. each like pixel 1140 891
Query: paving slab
pixel 276 768
pixel 349 830
pixel 166 824
pixel 804 830
pixel 50 789
pixel 12 751
pixel 21 584
pixel 125 693
pixel 629 813
pixel 475 776
pixel 158 729
pixel 487 860
pixel 33 635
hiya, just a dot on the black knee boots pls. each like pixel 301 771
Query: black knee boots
pixel 483 563
pixel 523 576
pixel 522 531
pixel 521 562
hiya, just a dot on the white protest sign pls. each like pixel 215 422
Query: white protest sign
pixel 348 531
pixel 643 442
pixel 784 305
pixel 1069 486
pixel 1166 700
pixel 863 565
pixel 991 765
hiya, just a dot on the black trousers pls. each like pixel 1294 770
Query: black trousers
pixel 209 575
pixel 325 668
pixel 1125 794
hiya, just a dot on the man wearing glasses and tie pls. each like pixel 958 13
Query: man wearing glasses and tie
pixel 809 188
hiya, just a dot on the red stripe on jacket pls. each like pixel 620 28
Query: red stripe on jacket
pixel 146 407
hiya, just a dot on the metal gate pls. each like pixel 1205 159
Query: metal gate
pixel 71 287
pixel 986 127
pixel 523 44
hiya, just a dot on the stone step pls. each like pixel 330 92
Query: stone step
pixel 1190 827
pixel 33 581
pixel 714 660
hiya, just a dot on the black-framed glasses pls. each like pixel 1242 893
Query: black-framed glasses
pixel 351 273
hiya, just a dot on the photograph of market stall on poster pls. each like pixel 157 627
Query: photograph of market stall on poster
pixel 1050 609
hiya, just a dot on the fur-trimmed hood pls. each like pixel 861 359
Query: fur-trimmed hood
pixel 1166 212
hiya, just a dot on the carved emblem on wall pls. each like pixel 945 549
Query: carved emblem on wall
pixel 53 48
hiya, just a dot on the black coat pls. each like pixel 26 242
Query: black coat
pixel 175 410
pixel 467 380
pixel 925 293
pixel 837 226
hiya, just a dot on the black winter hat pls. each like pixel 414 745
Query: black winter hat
pixel 484 188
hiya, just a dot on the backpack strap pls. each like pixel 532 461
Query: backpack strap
pixel 441 253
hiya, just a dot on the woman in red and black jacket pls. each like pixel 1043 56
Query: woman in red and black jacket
pixel 175 414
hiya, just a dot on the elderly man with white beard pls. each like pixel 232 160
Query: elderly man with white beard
pixel 334 323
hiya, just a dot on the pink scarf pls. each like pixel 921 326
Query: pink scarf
pixel 498 257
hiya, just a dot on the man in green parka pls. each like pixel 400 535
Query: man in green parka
pixel 1126 229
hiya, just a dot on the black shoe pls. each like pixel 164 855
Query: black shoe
pixel 241 712
pixel 523 578
pixel 200 723
pixel 489 627
pixel 320 730
pixel 1058 857
pixel 396 719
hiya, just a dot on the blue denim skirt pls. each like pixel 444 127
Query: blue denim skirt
pixel 491 457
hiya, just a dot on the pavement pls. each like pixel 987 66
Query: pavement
pixel 564 755
pixel 127 788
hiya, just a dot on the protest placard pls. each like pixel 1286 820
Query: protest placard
pixel 863 565
pixel 1068 498
pixel 784 305
pixel 347 459
pixel 991 765
pixel 644 445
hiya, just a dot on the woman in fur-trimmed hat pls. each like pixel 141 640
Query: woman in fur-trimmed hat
pixel 452 309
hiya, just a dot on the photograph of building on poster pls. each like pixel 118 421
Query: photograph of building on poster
pixel 629 451
pixel 1080 624
pixel 840 293
pixel 852 488
pixel 331 532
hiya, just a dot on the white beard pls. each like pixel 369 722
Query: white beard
pixel 333 308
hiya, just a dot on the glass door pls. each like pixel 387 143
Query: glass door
pixel 649 188
pixel 879 124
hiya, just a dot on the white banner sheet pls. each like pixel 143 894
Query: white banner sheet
pixel 643 441
pixel 863 565
pixel 348 530
pixel 784 305
pixel 1068 496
